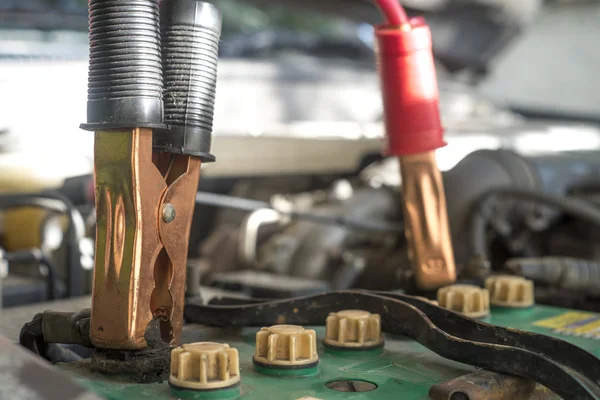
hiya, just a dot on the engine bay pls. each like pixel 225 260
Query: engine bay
pixel 342 267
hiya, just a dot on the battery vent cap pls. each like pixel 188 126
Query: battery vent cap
pixel 353 329
pixel 468 300
pixel 286 346
pixel 204 366
pixel 510 291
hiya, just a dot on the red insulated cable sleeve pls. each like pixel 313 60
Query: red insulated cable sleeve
pixel 409 88
pixel 393 11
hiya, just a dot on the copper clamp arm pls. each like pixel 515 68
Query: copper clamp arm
pixel 426 221
pixel 145 200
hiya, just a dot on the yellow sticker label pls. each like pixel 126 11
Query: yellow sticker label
pixel 563 320
pixel 574 323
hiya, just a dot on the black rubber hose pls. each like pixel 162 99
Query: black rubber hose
pixel 32 338
pixel 478 223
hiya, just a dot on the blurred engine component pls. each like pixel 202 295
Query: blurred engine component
pixel 306 234
pixel 305 249
pixel 560 272
pixel 501 205
pixel 20 286
pixel 264 285
pixel 349 232
pixel 559 206
pixel 504 202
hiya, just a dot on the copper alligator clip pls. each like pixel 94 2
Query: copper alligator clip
pixel 414 131
pixel 147 158
pixel 145 201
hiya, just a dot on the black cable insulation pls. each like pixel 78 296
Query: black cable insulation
pixel 478 223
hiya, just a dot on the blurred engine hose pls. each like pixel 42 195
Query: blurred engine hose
pixel 37 256
pixel 479 219
pixel 561 272
pixel 466 184
pixel 233 202
pixel 485 170
pixel 479 173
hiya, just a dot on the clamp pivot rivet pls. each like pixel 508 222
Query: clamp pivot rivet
pixel 168 213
